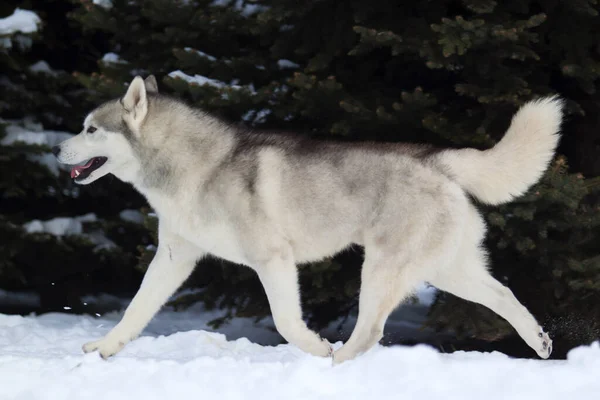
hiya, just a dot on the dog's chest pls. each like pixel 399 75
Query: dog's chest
pixel 206 226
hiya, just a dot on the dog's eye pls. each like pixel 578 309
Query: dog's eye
pixel 91 129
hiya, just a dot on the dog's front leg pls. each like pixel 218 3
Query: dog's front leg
pixel 173 263
pixel 279 278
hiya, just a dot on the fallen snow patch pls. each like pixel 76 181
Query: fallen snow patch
pixel 41 358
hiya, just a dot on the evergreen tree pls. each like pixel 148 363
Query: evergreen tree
pixel 51 244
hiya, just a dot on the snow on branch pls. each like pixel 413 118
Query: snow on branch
pixel 23 21
pixel 35 134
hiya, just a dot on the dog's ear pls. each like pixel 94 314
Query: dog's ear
pixel 151 84
pixel 135 102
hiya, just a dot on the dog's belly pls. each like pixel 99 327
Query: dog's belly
pixel 320 245
pixel 306 254
pixel 224 241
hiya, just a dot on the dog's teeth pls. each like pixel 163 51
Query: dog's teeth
pixel 76 174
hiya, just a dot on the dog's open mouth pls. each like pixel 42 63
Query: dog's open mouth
pixel 80 172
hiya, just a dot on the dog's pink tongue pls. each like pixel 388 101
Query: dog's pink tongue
pixel 75 171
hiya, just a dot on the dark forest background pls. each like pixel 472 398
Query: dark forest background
pixel 450 73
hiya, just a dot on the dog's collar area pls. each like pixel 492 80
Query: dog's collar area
pixel 80 172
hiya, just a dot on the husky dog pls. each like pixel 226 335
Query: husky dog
pixel 270 201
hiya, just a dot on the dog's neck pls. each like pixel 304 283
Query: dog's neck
pixel 165 168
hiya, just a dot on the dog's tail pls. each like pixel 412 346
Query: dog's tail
pixel 515 163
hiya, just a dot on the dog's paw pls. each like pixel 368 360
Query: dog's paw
pixel 342 355
pixel 321 348
pixel 106 347
pixel 544 349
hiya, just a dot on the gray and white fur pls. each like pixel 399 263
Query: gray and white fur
pixel 270 201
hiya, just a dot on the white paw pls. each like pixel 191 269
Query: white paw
pixel 341 356
pixel 544 347
pixel 320 348
pixel 348 352
pixel 107 346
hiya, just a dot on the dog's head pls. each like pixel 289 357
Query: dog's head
pixel 106 143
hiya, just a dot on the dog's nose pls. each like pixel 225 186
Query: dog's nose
pixel 56 151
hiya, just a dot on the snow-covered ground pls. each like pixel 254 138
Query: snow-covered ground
pixel 176 358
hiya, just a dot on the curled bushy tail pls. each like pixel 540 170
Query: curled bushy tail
pixel 514 164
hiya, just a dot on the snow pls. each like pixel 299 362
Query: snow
pixel 250 9
pixel 257 117
pixel 425 294
pixel 20 21
pixel 199 79
pixel 112 58
pixel 285 64
pixel 42 67
pixel 245 7
pixel 176 358
pixel 106 4
pixel 132 216
pixel 60 226
pixel 23 21
pixel 201 53
pixel 32 133
pixel 24 42
pixel 203 80
pixel 262 115
pixel 63 226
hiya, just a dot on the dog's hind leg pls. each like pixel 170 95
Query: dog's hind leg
pixel 383 287
pixel 470 280
pixel 173 263
pixel 279 277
